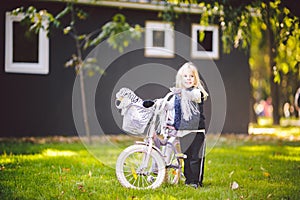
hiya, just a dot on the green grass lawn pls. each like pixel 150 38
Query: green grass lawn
pixel 263 168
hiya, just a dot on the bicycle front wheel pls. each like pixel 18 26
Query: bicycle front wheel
pixel 134 171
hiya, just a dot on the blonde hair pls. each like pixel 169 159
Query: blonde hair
pixel 197 84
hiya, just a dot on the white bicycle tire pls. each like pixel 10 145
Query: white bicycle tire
pixel 129 178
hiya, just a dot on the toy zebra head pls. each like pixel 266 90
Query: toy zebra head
pixel 126 97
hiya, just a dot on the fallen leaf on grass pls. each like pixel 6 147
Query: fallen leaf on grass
pixel 234 185
pixel 266 174
pixel 66 169
pixel 62 178
pixel 231 173
pixel 81 188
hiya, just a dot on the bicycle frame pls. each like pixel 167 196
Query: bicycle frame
pixel 149 139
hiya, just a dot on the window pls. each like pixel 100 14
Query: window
pixel 159 39
pixel 25 52
pixel 209 46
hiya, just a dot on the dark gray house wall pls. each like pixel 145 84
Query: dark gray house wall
pixel 41 105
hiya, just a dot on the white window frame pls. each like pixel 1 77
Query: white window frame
pixel 159 52
pixel 195 53
pixel 40 67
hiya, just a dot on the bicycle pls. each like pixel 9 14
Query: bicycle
pixel 147 164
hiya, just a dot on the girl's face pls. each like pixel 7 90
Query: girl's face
pixel 188 78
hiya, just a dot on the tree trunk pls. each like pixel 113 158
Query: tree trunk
pixel 272 67
pixel 82 92
pixel 84 109
pixel 275 101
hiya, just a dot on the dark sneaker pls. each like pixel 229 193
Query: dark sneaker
pixel 193 185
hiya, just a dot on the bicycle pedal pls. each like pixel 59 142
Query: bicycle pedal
pixel 181 156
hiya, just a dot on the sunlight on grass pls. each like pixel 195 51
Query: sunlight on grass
pixel 11 158
pixel 256 148
pixel 8 159
pixel 54 152
pixel 293 154
pixel 286 153
pixel 286 158
pixel 5 160
pixel 290 132
pixel 265 121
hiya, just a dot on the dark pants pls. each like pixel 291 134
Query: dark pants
pixel 193 145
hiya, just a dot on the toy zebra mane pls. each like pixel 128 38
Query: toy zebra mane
pixel 128 94
pixel 127 97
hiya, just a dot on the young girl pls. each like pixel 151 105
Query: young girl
pixel 188 115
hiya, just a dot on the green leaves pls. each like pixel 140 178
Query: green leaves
pixel 67 30
pixel 117 32
pixel 264 18
pixel 168 14
pixel 91 67
pixel 38 20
